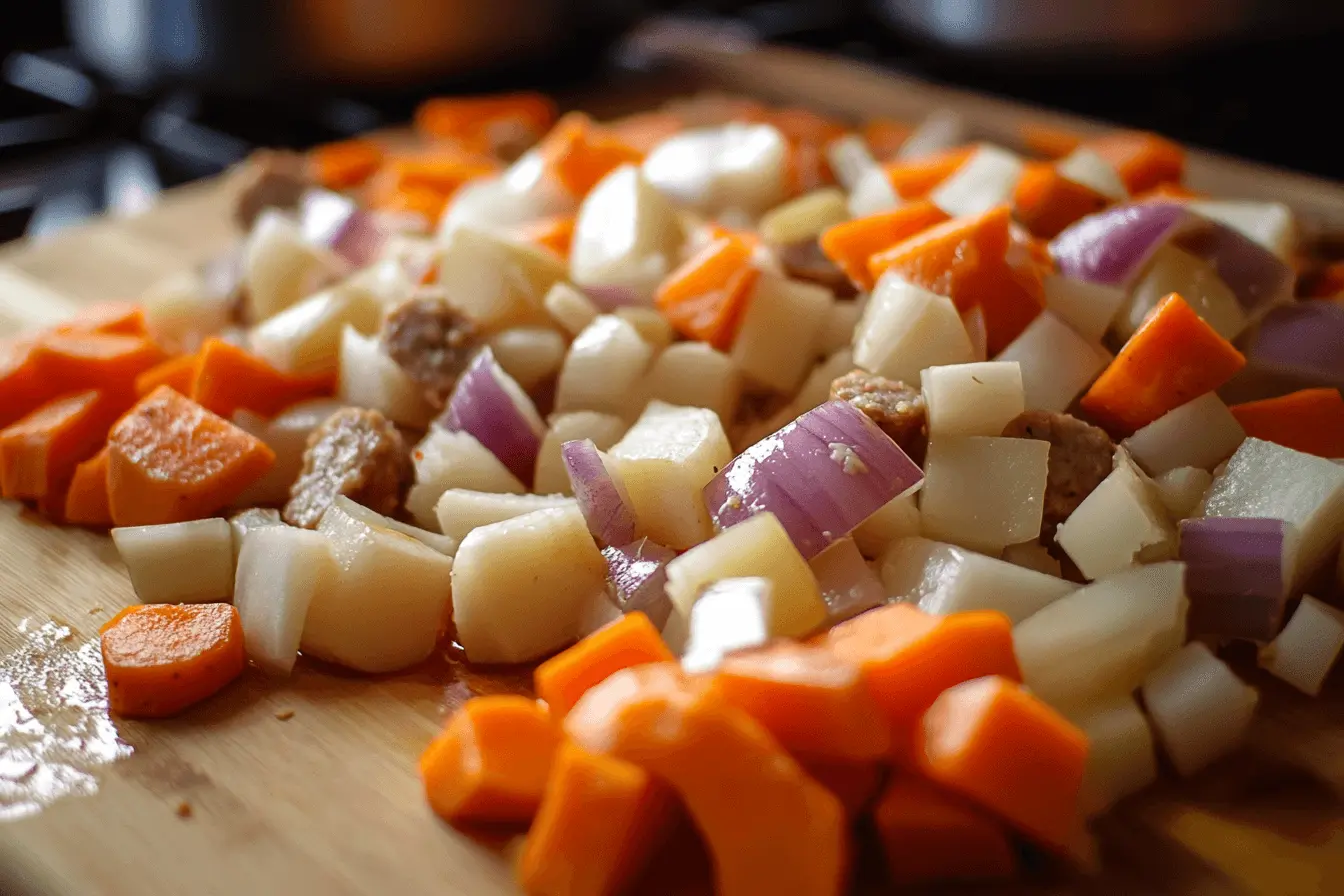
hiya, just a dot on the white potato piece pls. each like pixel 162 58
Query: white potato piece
pixel 280 267
pixel 287 435
pixel 1182 489
pixel 521 586
pixel 898 518
pixel 445 460
pixel 837 331
pixel 460 510
pixel 849 585
pixel 804 218
pixel 695 375
pixel 569 308
pixel 731 614
pixel 776 306
pixel 182 310
pixel 178 563
pixel 943 579
pixel 940 129
pixel 872 193
pixel 976 399
pixel 1119 521
pixel 280 570
pixel 441 543
pixel 649 323
pixel 1200 433
pixel 735 165
pixel 1086 308
pixel 531 355
pixel 906 328
pixel 1200 709
pixel 1032 555
pixel 1102 640
pixel 1174 270
pixel 1262 479
pixel 523 193
pixel 370 379
pixel 305 338
pixel 984 492
pixel 666 460
pixel 816 389
pixel 850 158
pixel 1308 646
pixel 1057 364
pixel 626 234
pixel 604 430
pixel 983 181
pixel 1121 756
pixel 604 368
pixel 758 546
pixel 389 603
pixel 497 281
pixel 1270 224
pixel 1083 166
pixel 252 518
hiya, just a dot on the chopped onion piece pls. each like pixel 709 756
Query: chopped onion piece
pixel 821 475
pixel 1270 224
pixel 872 194
pixel 1308 646
pixel 1121 758
pixel 637 574
pixel 736 165
pixel 601 494
pixel 603 429
pixel 941 129
pixel 490 405
pixel 983 181
pixel 1236 575
pixel 729 615
pixel 1182 489
pixel 338 223
pixel 1199 707
pixel 571 309
pixel 1175 270
pixel 1083 166
pixel 1088 308
pixel 850 159
pixel 1300 343
pixel 848 584
pixel 1200 433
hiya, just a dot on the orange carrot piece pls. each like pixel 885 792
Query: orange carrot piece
pixel 885 136
pixel 1046 202
pixel 443 171
pixel 103 361
pixel 968 260
pixel 993 742
pixel 1310 420
pixel 579 153
pixel 228 378
pixel 1049 142
pixel 118 318
pixel 1142 160
pixel 162 658
pixel 554 233
pixel 931 836
pixel 629 641
pixel 769 827
pixel 645 130
pixel 799 125
pixel 345 163
pixel 1168 190
pixel 1172 358
pixel 852 243
pixel 915 178
pixel 706 296
pixel 469 119
pixel 39 453
pixel 428 204
pixel 22 387
pixel 86 502
pixel 909 657
pixel 176 373
pixel 854 784
pixel 171 460
pixel 490 762
pixel 599 822
pixel 815 704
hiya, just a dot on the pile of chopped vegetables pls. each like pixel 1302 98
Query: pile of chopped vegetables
pixel 840 478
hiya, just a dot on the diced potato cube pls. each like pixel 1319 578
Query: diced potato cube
pixel 605 430
pixel 731 614
pixel 305 338
pixel 1057 364
pixel 1270 224
pixel 1307 647
pixel 521 586
pixel 525 192
pixel 1032 555
pixel 461 510
pixel 531 355
pixel 983 492
pixel 1120 519
pixel 804 218
pixel 1084 166
pixel 849 158
pixel 737 165
pixel 1182 489
pixel 816 389
pixel 1174 270
pixel 976 399
pixel 252 518
pixel 649 323
pixel 1199 707
pixel 898 518
pixel 1086 308
pixel 760 547
pixel 983 181
pixel 1200 433
pixel 906 328
pixel 944 578
pixel 439 542
pixel 666 460
pixel 182 310
pixel 872 193
pixel 776 306
pixel 280 570
pixel 178 563
pixel 280 267
pixel 604 368
pixel 570 308
pixel 694 375
pixel 370 379
pixel 837 333
pixel 1121 759
pixel 496 281
pixel 445 460
pixel 1267 480
pixel 626 234
pixel 848 583
pixel 287 435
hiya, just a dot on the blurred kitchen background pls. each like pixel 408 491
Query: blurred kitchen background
pixel 105 103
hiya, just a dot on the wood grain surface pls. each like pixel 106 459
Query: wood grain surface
pixel 308 785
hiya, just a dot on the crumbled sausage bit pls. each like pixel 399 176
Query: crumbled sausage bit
pixel 270 178
pixel 357 453
pixel 805 261
pixel 184 809
pixel 1081 456
pixel 432 341
pixel 896 408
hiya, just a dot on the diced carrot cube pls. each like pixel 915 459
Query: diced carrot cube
pixel 707 295
pixel 851 244
pixel 629 641
pixel 346 163
pixel 1142 160
pixel 104 361
pixel 117 318
pixel 885 136
pixel 22 387
pixel 86 502
pixel 854 784
pixel 916 178
pixel 1046 202
pixel 930 836
pixel 228 378
pixel 176 373
pixel 39 453
pixel 1309 420
pixel 579 153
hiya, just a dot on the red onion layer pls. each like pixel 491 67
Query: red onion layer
pixel 637 576
pixel 600 494
pixel 1235 575
pixel 489 405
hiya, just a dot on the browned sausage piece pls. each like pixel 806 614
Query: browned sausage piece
pixel 432 341
pixel 895 407
pixel 357 453
pixel 1080 458
pixel 805 261
pixel 270 178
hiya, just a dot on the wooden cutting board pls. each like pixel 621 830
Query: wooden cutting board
pixel 309 786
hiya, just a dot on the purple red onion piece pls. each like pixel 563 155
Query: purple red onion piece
pixel 1236 575
pixel 1304 341
pixel 600 493
pixel 609 298
pixel 637 575
pixel 1257 277
pixel 488 404
pixel 1112 246
pixel 337 222
pixel 821 475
